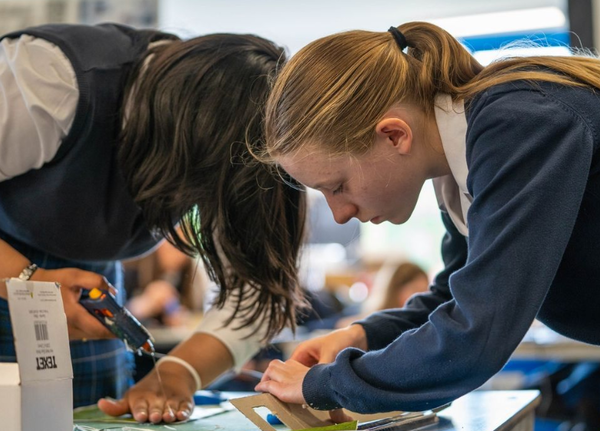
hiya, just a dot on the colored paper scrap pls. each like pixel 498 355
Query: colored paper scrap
pixel 344 426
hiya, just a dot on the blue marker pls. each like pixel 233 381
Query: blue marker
pixel 202 398
pixel 273 420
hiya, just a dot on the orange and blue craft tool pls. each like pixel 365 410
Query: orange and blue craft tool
pixel 103 305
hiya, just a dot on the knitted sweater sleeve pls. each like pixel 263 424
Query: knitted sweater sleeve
pixel 529 158
pixel 385 326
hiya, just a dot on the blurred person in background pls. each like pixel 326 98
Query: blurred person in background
pixel 394 284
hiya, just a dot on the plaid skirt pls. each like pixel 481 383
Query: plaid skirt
pixel 100 367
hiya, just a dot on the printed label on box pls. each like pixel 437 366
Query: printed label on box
pixel 40 330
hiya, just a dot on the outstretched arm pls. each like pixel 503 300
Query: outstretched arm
pixel 146 401
pixel 211 351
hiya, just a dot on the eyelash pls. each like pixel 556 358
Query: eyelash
pixel 338 190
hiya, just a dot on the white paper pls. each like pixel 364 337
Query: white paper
pixel 40 330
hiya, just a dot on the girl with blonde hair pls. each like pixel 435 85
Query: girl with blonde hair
pixel 512 148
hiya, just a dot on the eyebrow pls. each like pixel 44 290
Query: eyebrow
pixel 318 186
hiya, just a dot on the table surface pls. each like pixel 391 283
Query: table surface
pixel 477 411
pixel 488 411
pixel 542 343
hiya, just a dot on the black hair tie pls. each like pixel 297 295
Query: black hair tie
pixel 398 37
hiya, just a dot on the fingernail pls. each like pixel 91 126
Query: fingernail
pixel 141 416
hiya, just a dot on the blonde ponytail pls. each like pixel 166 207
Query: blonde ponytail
pixel 335 90
pixel 443 64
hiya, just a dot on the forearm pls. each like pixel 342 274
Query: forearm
pixel 207 354
pixel 385 326
pixel 215 347
pixel 11 264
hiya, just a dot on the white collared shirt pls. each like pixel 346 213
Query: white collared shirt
pixel 38 97
pixel 451 190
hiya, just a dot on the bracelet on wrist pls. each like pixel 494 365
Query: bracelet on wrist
pixel 184 364
pixel 28 272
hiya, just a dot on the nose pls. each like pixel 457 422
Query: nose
pixel 342 211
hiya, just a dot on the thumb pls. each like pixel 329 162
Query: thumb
pixel 270 386
pixel 89 280
pixel 305 357
pixel 327 357
pixel 339 416
pixel 113 407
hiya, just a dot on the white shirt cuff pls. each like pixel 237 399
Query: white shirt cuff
pixel 243 343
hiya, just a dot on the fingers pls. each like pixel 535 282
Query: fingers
pixel 338 416
pixel 267 374
pixel 139 409
pixel 89 280
pixel 147 403
pixel 328 356
pixel 284 380
pixel 159 411
pixel 113 407
pixel 271 386
pixel 184 410
pixel 83 325
pixel 170 411
pixel 112 289
pixel 305 357
pixel 155 410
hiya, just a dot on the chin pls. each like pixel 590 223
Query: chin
pixel 399 219
pixel 397 222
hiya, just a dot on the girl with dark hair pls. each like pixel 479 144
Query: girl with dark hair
pixel 513 150
pixel 110 138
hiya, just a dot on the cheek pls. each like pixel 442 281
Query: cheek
pixel 394 193
pixel 386 192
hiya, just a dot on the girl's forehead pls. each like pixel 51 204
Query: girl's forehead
pixel 314 169
pixel 310 154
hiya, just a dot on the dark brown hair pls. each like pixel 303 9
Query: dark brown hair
pixel 184 154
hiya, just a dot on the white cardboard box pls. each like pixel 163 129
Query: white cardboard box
pixel 37 392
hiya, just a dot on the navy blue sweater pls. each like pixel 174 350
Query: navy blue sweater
pixel 533 251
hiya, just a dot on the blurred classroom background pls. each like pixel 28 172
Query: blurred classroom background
pixel 352 269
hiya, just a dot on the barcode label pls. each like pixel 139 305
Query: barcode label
pixel 41 331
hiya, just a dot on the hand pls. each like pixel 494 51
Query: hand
pixel 324 349
pixel 284 380
pixel 146 400
pixel 81 324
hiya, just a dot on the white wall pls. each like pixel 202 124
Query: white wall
pixel 294 24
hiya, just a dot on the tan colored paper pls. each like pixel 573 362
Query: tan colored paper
pixel 297 417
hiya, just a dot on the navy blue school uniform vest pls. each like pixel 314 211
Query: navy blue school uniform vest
pixel 76 211
pixel 77 206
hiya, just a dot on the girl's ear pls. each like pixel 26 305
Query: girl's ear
pixel 395 132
